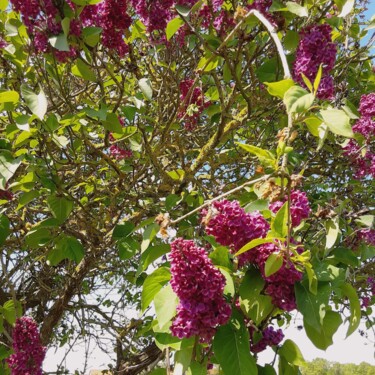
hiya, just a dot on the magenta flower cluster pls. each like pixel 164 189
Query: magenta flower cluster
pixel 362 157
pixel 115 150
pixel 270 337
pixel 299 206
pixel 29 353
pixel 368 293
pixel 367 235
pixel 43 20
pixel 314 49
pixel 199 286
pixel 6 195
pixel 233 227
pixel 189 96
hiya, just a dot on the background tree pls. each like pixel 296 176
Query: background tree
pixel 113 112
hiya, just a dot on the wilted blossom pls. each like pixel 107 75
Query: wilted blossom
pixel 199 286
pixel 29 353
pixel 316 48
pixel 270 337
pixel 299 206
pixel 232 226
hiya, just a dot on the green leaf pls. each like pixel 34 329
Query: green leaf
pixel 279 225
pixel 208 63
pixel 197 368
pixel 273 264
pixel 279 88
pixel 173 26
pixel 165 302
pixel 338 122
pixel 256 306
pixel 4 228
pixel 322 338
pixel 291 40
pixel 312 307
pixel 220 257
pixel 112 123
pixel 65 24
pixel 151 254
pixel 182 10
pixel 82 70
pixel 346 8
pixel 297 9
pixel 253 243
pixel 355 308
pixel 177 174
pixel 12 310
pixel 3 6
pixel 8 166
pixel 60 207
pixel 164 340
pixel 264 156
pixel 258 205
pixel 313 280
pixel 37 238
pixel 60 42
pixel 307 82
pixel 229 284
pixel 232 350
pixel 127 247
pixel 146 88
pixel 86 2
pixel 36 102
pixel 9 97
pixel 266 370
pixel 333 230
pixel 153 284
pixel 148 235
pixel 313 123
pixel 66 247
pixel 122 230
pixel 27 198
pixel 298 100
pixel 290 351
pixel 318 78
pixel 91 35
pixel 366 220
pixel 182 360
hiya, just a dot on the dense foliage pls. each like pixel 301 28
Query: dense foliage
pixel 177 178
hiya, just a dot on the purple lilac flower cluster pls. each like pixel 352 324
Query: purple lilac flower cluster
pixel 369 292
pixel 270 337
pixel 233 227
pixel 263 7
pixel 299 206
pixel 367 235
pixel 29 353
pixel 6 195
pixel 43 20
pixel 363 158
pixel 199 286
pixel 195 97
pixel 116 151
pixel 316 48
